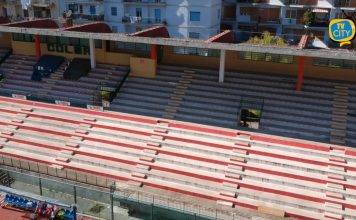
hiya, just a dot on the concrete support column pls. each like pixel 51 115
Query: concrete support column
pixel 333 12
pixel 222 66
pixel 326 37
pixel 38 46
pixel 92 53
pixel 153 54
pixel 282 12
pixel 300 79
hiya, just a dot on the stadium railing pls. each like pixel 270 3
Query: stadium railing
pixel 46 99
pixel 113 95
pixel 2 59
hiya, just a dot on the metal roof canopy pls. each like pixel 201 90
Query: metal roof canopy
pixel 153 32
pixel 224 37
pixel 323 53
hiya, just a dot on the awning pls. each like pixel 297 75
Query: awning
pixel 320 10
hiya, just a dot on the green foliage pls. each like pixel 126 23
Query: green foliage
pixel 308 18
pixel 267 39
pixel 97 208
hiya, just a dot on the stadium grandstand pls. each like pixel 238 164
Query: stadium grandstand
pixel 202 129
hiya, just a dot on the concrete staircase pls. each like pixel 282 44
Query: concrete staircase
pixel 58 74
pixel 5 178
pixel 337 177
pixel 339 115
pixel 178 93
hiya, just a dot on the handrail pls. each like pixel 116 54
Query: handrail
pixel 113 95
pixel 2 59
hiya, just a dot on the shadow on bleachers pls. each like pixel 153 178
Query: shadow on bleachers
pixel 47 65
pixel 18 69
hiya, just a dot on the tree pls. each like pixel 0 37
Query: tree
pixel 308 18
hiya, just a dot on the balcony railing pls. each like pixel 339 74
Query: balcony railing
pixel 41 2
pixel 320 23
pixel 146 1
pixel 252 1
pixel 140 20
pixel 345 3
pixel 244 18
pixel 89 17
pixel 288 21
pixel 300 2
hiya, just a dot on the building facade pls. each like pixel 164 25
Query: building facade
pixel 183 18
pixel 283 17
pixel 85 10
pixel 15 10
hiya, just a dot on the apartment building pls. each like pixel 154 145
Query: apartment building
pixel 19 10
pixel 85 10
pixel 283 17
pixel 183 18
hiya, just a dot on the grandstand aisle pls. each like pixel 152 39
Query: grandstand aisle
pixel 351 119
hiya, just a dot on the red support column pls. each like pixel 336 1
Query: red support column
pixel 154 52
pixel 300 79
pixel 38 46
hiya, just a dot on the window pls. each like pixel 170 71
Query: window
pixel 196 51
pixel 114 29
pixel 98 44
pixel 52 40
pixel 334 63
pixel 73 41
pixel 157 15
pixel 64 40
pixel 81 9
pixel 73 7
pixel 92 10
pixel 194 16
pixel 84 42
pixel 266 57
pixel 138 12
pixel 194 35
pixel 113 11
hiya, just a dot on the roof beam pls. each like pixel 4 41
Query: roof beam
pixel 38 23
pixel 95 27
pixel 333 54
pixel 160 31
pixel 4 20
pixel 224 37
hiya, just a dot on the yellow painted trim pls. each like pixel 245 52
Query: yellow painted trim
pixel 353 29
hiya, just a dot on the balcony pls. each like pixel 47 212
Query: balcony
pixel 153 2
pixel 288 21
pixel 143 21
pixel 301 2
pixel 88 17
pixel 243 18
pixel 320 23
pixel 253 1
pixel 345 3
pixel 42 3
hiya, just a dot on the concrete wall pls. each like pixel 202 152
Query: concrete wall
pixel 28 48
pixel 234 63
pixel 5 40
pixel 143 67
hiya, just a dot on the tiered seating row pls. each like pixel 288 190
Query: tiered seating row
pixel 214 163
pixel 18 71
pixel 351 120
pixel 305 114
